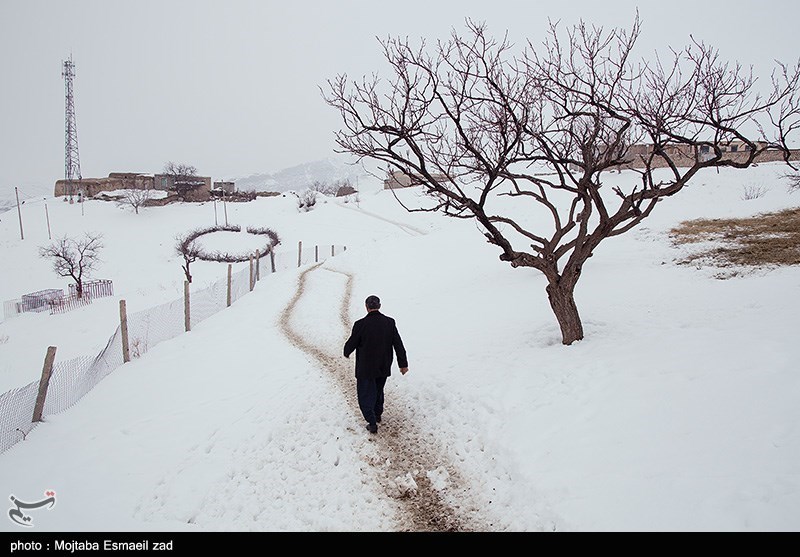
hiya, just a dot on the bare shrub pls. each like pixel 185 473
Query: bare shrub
pixel 306 200
pixel 753 192
pixel 794 182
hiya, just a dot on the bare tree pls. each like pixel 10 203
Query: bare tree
pixel 135 198
pixel 524 142
pixel 794 182
pixel 306 199
pixel 187 248
pixel 325 188
pixel 74 258
pixel 184 177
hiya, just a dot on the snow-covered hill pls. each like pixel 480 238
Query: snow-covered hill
pixel 677 412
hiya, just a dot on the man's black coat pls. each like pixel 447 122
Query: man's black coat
pixel 373 338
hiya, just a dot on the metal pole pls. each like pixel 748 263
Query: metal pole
pixel 19 212
pixel 225 207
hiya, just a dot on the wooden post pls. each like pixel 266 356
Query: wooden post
pixel 272 258
pixel 229 283
pixel 316 254
pixel 252 274
pixel 258 265
pixel 331 250
pixel 43 383
pixel 123 325
pixel 299 252
pixel 186 311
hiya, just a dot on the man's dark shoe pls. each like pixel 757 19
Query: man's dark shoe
pixel 372 428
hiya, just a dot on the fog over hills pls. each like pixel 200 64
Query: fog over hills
pixel 300 177
pixel 304 175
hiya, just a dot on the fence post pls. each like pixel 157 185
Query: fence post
pixel 252 274
pixel 272 258
pixel 43 383
pixel 331 250
pixel 186 315
pixel 123 325
pixel 258 265
pixel 316 254
pixel 229 283
pixel 299 252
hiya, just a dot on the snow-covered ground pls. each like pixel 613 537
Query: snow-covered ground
pixel 678 411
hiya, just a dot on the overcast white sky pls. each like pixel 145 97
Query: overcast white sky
pixel 232 86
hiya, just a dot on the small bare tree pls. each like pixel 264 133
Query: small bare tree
pixel 306 200
pixel 184 177
pixel 325 188
pixel 74 258
pixel 187 248
pixel 135 198
pixel 527 143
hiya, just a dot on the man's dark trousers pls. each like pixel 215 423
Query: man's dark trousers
pixel 370 397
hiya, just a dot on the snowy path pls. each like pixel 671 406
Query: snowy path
pixel 411 468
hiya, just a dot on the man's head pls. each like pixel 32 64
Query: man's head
pixel 373 303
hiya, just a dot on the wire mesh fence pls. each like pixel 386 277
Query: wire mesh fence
pixel 70 380
pixel 16 411
pixel 55 301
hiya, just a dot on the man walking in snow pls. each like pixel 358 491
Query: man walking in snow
pixel 374 338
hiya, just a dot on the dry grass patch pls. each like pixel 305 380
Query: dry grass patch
pixel 764 240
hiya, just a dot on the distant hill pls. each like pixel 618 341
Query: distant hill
pixel 302 176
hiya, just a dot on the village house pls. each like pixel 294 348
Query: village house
pixel 399 179
pixel 194 188
pixel 684 156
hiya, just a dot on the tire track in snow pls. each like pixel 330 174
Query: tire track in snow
pixel 413 468
pixel 407 228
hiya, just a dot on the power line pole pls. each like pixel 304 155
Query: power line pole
pixel 72 163
pixel 19 212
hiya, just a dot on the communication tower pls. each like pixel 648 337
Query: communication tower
pixel 72 164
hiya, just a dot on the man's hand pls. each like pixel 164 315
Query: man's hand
pixel 403 370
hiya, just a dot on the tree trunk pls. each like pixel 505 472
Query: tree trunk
pixel 79 289
pixel 562 300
